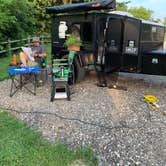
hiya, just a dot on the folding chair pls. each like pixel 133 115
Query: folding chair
pixel 62 72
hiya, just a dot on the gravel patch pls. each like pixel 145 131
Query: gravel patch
pixel 117 124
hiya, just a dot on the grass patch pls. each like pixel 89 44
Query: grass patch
pixel 48 50
pixel 22 146
pixel 4 66
pixel 6 60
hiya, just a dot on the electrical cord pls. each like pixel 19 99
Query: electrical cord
pixel 123 125
pixel 151 102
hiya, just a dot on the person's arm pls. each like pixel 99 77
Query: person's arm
pixel 42 55
pixel 43 52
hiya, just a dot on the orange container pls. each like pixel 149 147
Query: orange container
pixel 14 59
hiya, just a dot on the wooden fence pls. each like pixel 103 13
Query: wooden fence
pixel 14 45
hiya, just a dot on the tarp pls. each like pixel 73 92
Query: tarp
pixel 79 7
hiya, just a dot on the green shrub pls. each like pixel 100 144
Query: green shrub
pixel 72 40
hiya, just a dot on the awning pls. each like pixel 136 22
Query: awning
pixel 81 7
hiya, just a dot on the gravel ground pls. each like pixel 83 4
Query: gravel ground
pixel 117 124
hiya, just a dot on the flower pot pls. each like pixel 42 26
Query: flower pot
pixel 73 48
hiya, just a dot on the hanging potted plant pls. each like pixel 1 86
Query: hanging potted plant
pixel 73 43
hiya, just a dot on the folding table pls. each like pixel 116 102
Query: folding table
pixel 21 76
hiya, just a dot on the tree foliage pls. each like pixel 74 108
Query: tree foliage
pixel 42 17
pixel 165 21
pixel 141 12
pixel 16 19
pixel 122 6
pixel 20 18
pixel 165 24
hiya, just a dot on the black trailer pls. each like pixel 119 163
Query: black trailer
pixel 111 41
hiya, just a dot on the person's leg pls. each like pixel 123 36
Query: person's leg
pixel 31 63
pixel 23 58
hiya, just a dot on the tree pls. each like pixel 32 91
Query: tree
pixel 40 11
pixel 165 21
pixel 158 20
pixel 5 18
pixel 16 19
pixel 141 12
pixel 122 6
pixel 43 19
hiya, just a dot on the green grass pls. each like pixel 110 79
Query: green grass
pixel 4 66
pixel 48 50
pixel 21 146
pixel 5 61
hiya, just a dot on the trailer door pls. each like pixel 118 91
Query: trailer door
pixel 114 40
pixel 109 42
pixel 131 58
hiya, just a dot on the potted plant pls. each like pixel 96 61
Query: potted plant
pixel 73 43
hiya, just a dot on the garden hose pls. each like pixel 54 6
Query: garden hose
pixel 151 102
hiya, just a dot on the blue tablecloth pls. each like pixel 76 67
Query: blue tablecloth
pixel 22 70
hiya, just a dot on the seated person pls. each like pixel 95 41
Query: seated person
pixel 38 52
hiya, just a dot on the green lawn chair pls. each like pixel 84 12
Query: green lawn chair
pixel 43 72
pixel 43 62
pixel 62 73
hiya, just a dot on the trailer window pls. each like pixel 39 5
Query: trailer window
pixel 86 32
pixel 160 32
pixel 157 33
pixel 152 33
pixel 75 29
pixel 146 32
